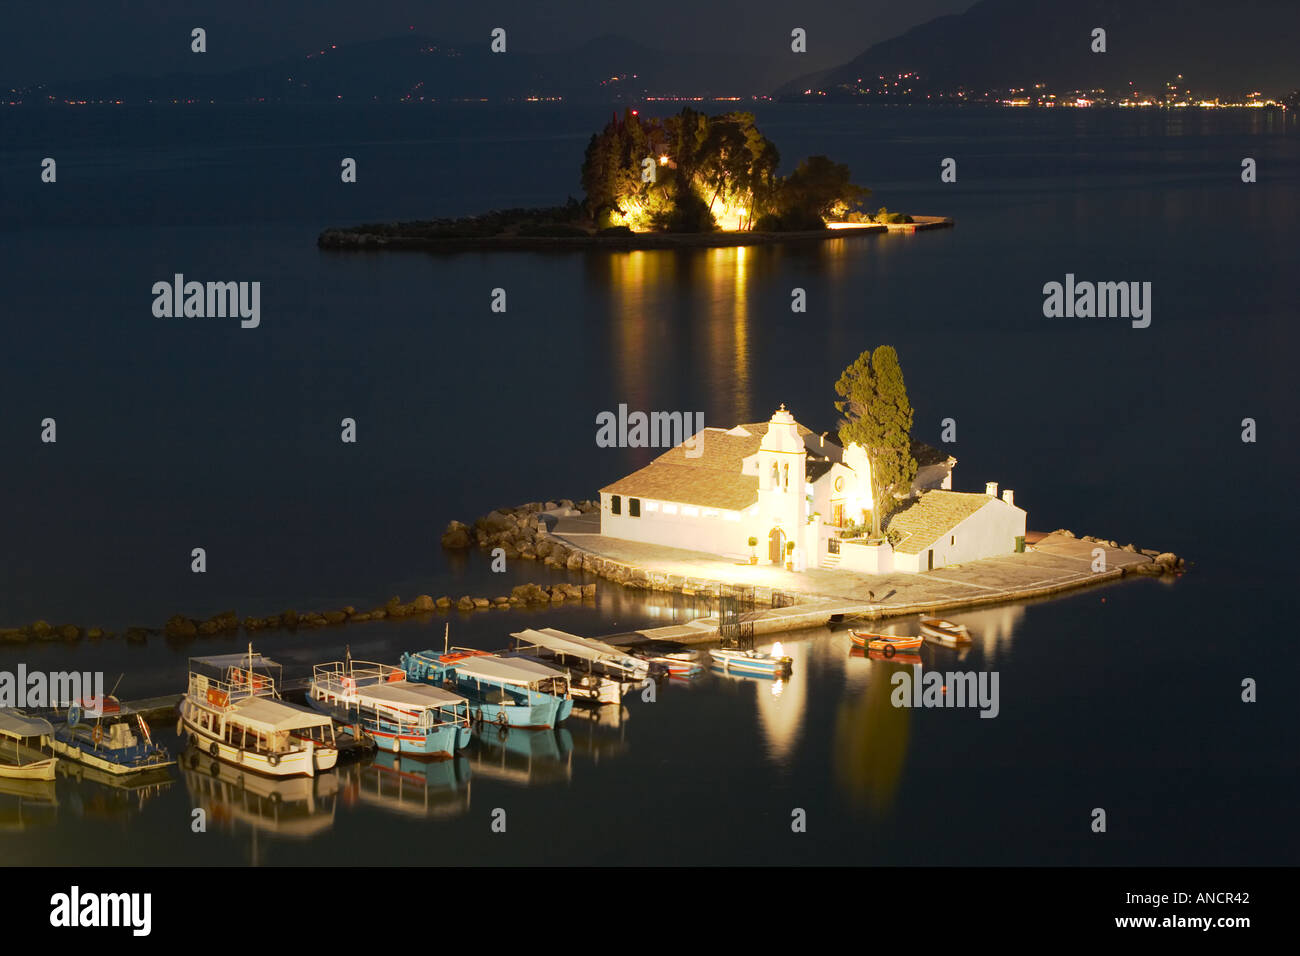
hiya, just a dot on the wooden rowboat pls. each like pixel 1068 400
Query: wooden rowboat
pixel 945 631
pixel 864 638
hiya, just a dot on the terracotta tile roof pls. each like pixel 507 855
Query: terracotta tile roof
pixel 933 515
pixel 711 480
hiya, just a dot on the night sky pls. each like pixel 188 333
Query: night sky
pixel 82 39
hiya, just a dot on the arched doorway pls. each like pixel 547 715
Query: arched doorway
pixel 776 546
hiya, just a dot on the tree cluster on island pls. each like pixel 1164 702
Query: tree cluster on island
pixel 696 173
pixel 687 174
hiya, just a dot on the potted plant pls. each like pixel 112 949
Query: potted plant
pixel 789 555
pixel 753 552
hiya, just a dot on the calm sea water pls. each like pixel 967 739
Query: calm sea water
pixel 175 434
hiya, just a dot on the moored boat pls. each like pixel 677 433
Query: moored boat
pixel 683 664
pixel 751 662
pixel 945 631
pixel 400 716
pixel 507 691
pixel 232 711
pixel 598 672
pixel 117 742
pixel 870 638
pixel 23 753
pixel 894 645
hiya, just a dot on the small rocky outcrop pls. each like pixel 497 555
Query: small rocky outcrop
pixel 456 536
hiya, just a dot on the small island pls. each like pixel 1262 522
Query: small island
pixel 685 180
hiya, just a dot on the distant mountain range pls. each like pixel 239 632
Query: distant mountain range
pixel 1220 48
pixel 607 69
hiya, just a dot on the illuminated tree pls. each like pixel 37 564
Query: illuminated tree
pixel 878 416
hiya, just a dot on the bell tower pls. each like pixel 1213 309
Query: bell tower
pixel 781 482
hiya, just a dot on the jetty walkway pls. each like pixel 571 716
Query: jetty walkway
pixel 1053 564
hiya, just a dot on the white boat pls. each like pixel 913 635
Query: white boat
pixel 608 671
pixel 399 715
pixel 232 711
pixel 945 631
pixel 23 753
pixel 751 662
pixel 679 663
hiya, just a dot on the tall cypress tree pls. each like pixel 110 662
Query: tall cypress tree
pixel 878 416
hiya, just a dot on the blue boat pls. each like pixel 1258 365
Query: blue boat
pixel 401 717
pixel 751 663
pixel 509 692
pixel 112 742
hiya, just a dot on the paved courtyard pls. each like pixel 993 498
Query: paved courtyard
pixel 1055 563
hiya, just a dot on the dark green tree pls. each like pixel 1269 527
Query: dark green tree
pixel 878 416
pixel 818 189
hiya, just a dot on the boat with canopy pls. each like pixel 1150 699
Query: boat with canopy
pixel 507 691
pixel 112 742
pixel 401 716
pixel 607 673
pixel 232 710
pixel 23 754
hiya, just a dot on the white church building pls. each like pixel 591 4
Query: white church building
pixel 793 491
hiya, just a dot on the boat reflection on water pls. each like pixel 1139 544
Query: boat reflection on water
pixel 522 757
pixel 98 793
pixel 992 629
pixel 409 785
pixel 25 804
pixel 292 807
pixel 780 701
pixel 599 732
pixel 871 739
pixel 860 653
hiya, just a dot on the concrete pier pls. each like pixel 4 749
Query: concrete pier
pixel 1056 563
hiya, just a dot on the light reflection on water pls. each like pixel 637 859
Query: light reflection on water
pixel 870 740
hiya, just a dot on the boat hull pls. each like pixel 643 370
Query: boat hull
pixel 123 766
pixel 440 741
pixel 945 631
pixel 540 715
pixel 754 666
pixel 297 763
pixel 35 770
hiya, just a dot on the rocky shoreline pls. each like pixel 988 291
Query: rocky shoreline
pixel 1161 563
pixel 522 532
pixel 351 240
pixel 182 628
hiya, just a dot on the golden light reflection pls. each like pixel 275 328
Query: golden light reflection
pixel 870 744
pixel 637 279
pixel 655 339
pixel 781 705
